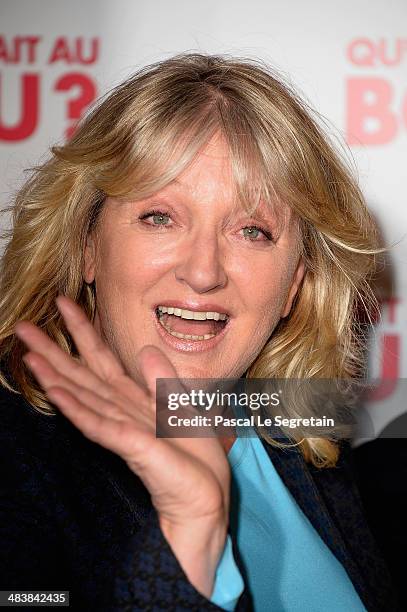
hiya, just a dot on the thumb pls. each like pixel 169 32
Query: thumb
pixel 153 364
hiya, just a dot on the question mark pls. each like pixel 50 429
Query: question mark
pixel 76 105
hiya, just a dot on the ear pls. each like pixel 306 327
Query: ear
pixel 297 278
pixel 89 263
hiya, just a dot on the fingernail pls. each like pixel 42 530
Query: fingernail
pixel 27 360
pixel 63 304
pixel 19 330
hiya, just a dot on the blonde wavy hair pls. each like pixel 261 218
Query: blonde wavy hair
pixel 138 139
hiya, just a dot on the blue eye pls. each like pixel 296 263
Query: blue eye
pixel 159 217
pixel 252 232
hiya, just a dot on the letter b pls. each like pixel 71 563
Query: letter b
pixel 369 98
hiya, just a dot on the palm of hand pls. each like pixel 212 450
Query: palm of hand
pixel 188 479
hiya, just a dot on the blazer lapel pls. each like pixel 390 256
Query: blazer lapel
pixel 298 478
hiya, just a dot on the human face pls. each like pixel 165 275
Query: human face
pixel 197 254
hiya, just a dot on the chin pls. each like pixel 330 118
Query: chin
pixel 198 372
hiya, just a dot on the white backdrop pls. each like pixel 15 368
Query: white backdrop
pixel 348 59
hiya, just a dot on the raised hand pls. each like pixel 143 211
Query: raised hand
pixel 188 479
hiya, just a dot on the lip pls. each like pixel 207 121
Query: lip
pixel 190 346
pixel 194 306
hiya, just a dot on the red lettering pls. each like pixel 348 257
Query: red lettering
pixel 60 52
pixel 93 53
pixel 83 85
pixel 384 55
pixel 368 99
pixel 75 51
pixel 20 49
pixel 27 124
pixel 5 53
pixel 361 52
pixel 391 304
pixel 390 369
pixel 32 42
pixel 366 52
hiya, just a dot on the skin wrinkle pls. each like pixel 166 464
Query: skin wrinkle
pixel 203 256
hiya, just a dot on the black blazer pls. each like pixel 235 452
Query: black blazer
pixel 74 517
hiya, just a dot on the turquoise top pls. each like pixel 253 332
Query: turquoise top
pixel 287 565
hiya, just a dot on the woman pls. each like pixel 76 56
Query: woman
pixel 201 186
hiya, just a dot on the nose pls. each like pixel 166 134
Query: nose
pixel 201 264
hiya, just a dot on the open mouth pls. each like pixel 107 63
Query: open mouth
pixel 189 324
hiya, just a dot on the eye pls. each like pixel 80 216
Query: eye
pixel 252 232
pixel 158 217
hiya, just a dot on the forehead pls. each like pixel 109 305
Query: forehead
pixel 209 177
pixel 209 171
pixel 214 179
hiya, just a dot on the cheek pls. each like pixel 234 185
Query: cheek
pixel 265 284
pixel 130 265
pixel 265 305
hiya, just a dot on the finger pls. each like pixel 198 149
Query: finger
pixel 48 378
pixel 155 368
pixel 153 364
pixel 46 375
pixel 38 342
pixel 88 342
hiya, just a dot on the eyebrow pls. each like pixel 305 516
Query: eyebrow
pixel 175 182
pixel 239 213
pixel 279 217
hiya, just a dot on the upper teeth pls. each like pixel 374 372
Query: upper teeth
pixel 192 314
